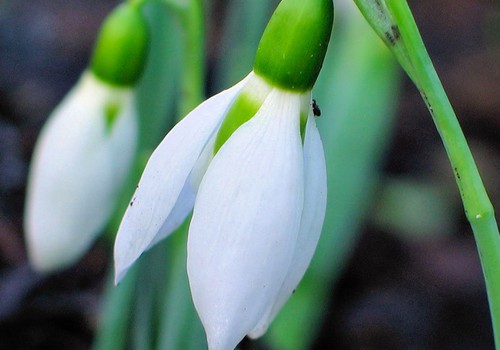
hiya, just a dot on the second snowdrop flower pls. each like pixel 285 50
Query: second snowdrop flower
pixel 249 162
pixel 86 147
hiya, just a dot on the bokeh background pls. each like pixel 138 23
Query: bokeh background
pixel 413 279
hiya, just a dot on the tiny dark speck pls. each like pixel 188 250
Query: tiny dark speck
pixel 390 38
pixel 395 31
pixel 315 107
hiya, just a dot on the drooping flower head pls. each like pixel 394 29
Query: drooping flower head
pixel 249 162
pixel 86 147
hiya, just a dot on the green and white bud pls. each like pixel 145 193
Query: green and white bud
pixel 79 164
pixel 87 147
pixel 121 49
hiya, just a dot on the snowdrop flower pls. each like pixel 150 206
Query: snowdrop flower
pixel 249 162
pixel 86 148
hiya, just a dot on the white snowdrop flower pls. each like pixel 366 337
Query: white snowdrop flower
pixel 86 148
pixel 79 163
pixel 258 210
pixel 249 162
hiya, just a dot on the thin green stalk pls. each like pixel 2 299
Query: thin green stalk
pixel 478 207
pixel 158 88
pixel 476 202
pixel 115 322
pixel 413 56
pixel 179 325
pixel 191 13
pixel 193 86
pixel 382 22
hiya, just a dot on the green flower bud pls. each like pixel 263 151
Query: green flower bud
pixel 293 46
pixel 122 46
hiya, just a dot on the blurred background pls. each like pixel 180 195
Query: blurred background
pixel 412 279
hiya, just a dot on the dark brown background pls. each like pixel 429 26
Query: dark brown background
pixel 396 292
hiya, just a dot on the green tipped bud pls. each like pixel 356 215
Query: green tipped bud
pixel 122 46
pixel 293 46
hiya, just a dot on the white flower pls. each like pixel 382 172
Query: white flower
pixel 79 163
pixel 259 205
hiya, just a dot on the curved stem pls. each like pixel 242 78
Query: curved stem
pixel 194 49
pixel 191 14
pixel 179 325
pixel 394 23
pixel 478 208
pixel 476 201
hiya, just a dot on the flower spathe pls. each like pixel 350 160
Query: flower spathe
pixel 259 204
pixel 79 163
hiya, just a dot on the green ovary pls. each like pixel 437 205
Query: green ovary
pixel 242 110
pixel 294 44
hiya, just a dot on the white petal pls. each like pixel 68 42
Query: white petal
pixel 179 212
pixel 153 205
pixel 77 168
pixel 246 220
pixel 311 223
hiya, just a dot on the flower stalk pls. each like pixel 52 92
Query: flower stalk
pixel 191 15
pixel 406 43
pixel 193 82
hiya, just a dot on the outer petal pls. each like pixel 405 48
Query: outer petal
pixel 155 203
pixel 78 166
pixel 311 223
pixel 246 220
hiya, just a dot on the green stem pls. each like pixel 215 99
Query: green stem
pixel 478 207
pixel 194 70
pixel 383 23
pixel 473 193
pixel 179 325
pixel 117 308
pixel 191 13
pixel 408 47
pixel 488 244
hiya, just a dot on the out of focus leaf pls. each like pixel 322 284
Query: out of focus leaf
pixel 414 208
pixel 245 23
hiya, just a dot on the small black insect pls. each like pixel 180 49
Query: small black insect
pixel 315 107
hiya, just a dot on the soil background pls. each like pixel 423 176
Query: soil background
pixel 398 291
